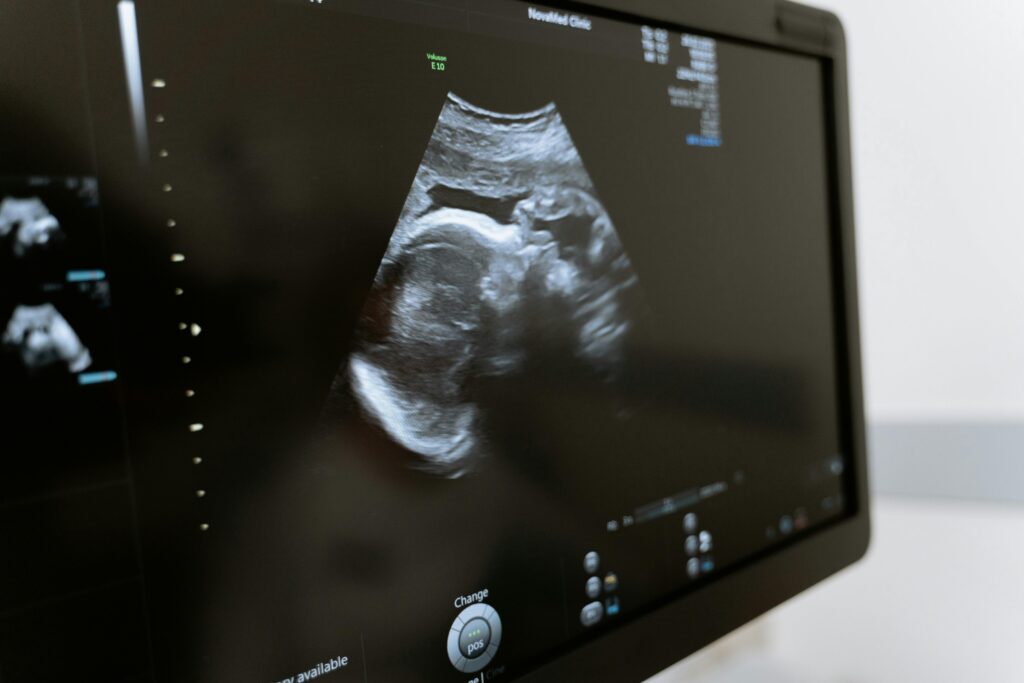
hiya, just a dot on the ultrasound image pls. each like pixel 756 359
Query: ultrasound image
pixel 43 338
pixel 32 224
pixel 502 248
pixel 49 225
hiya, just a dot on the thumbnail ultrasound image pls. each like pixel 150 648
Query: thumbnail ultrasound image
pixel 62 420
pixel 55 331
pixel 43 338
pixel 48 225
pixel 502 250
pixel 62 432
pixel 30 223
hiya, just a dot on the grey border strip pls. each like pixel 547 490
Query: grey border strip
pixel 948 460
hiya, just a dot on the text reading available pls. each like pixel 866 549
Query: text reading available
pixel 321 669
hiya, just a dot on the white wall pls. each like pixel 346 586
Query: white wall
pixel 938 114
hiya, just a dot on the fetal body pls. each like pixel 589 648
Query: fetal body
pixel 502 247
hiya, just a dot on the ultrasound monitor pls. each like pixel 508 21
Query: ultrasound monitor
pixel 419 341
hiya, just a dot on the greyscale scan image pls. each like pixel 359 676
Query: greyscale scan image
pixel 502 239
pixel 30 223
pixel 42 337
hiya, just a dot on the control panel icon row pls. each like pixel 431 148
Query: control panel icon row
pixel 596 610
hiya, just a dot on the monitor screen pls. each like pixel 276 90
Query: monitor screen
pixel 399 340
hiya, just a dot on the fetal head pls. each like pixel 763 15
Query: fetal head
pixel 435 296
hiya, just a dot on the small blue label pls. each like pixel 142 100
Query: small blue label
pixel 703 141
pixel 86 379
pixel 86 276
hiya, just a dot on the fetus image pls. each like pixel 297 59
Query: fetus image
pixel 502 247
pixel 44 340
pixel 31 223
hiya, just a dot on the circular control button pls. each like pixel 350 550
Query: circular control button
pixel 693 568
pixel 474 638
pixel 593 588
pixel 592 614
